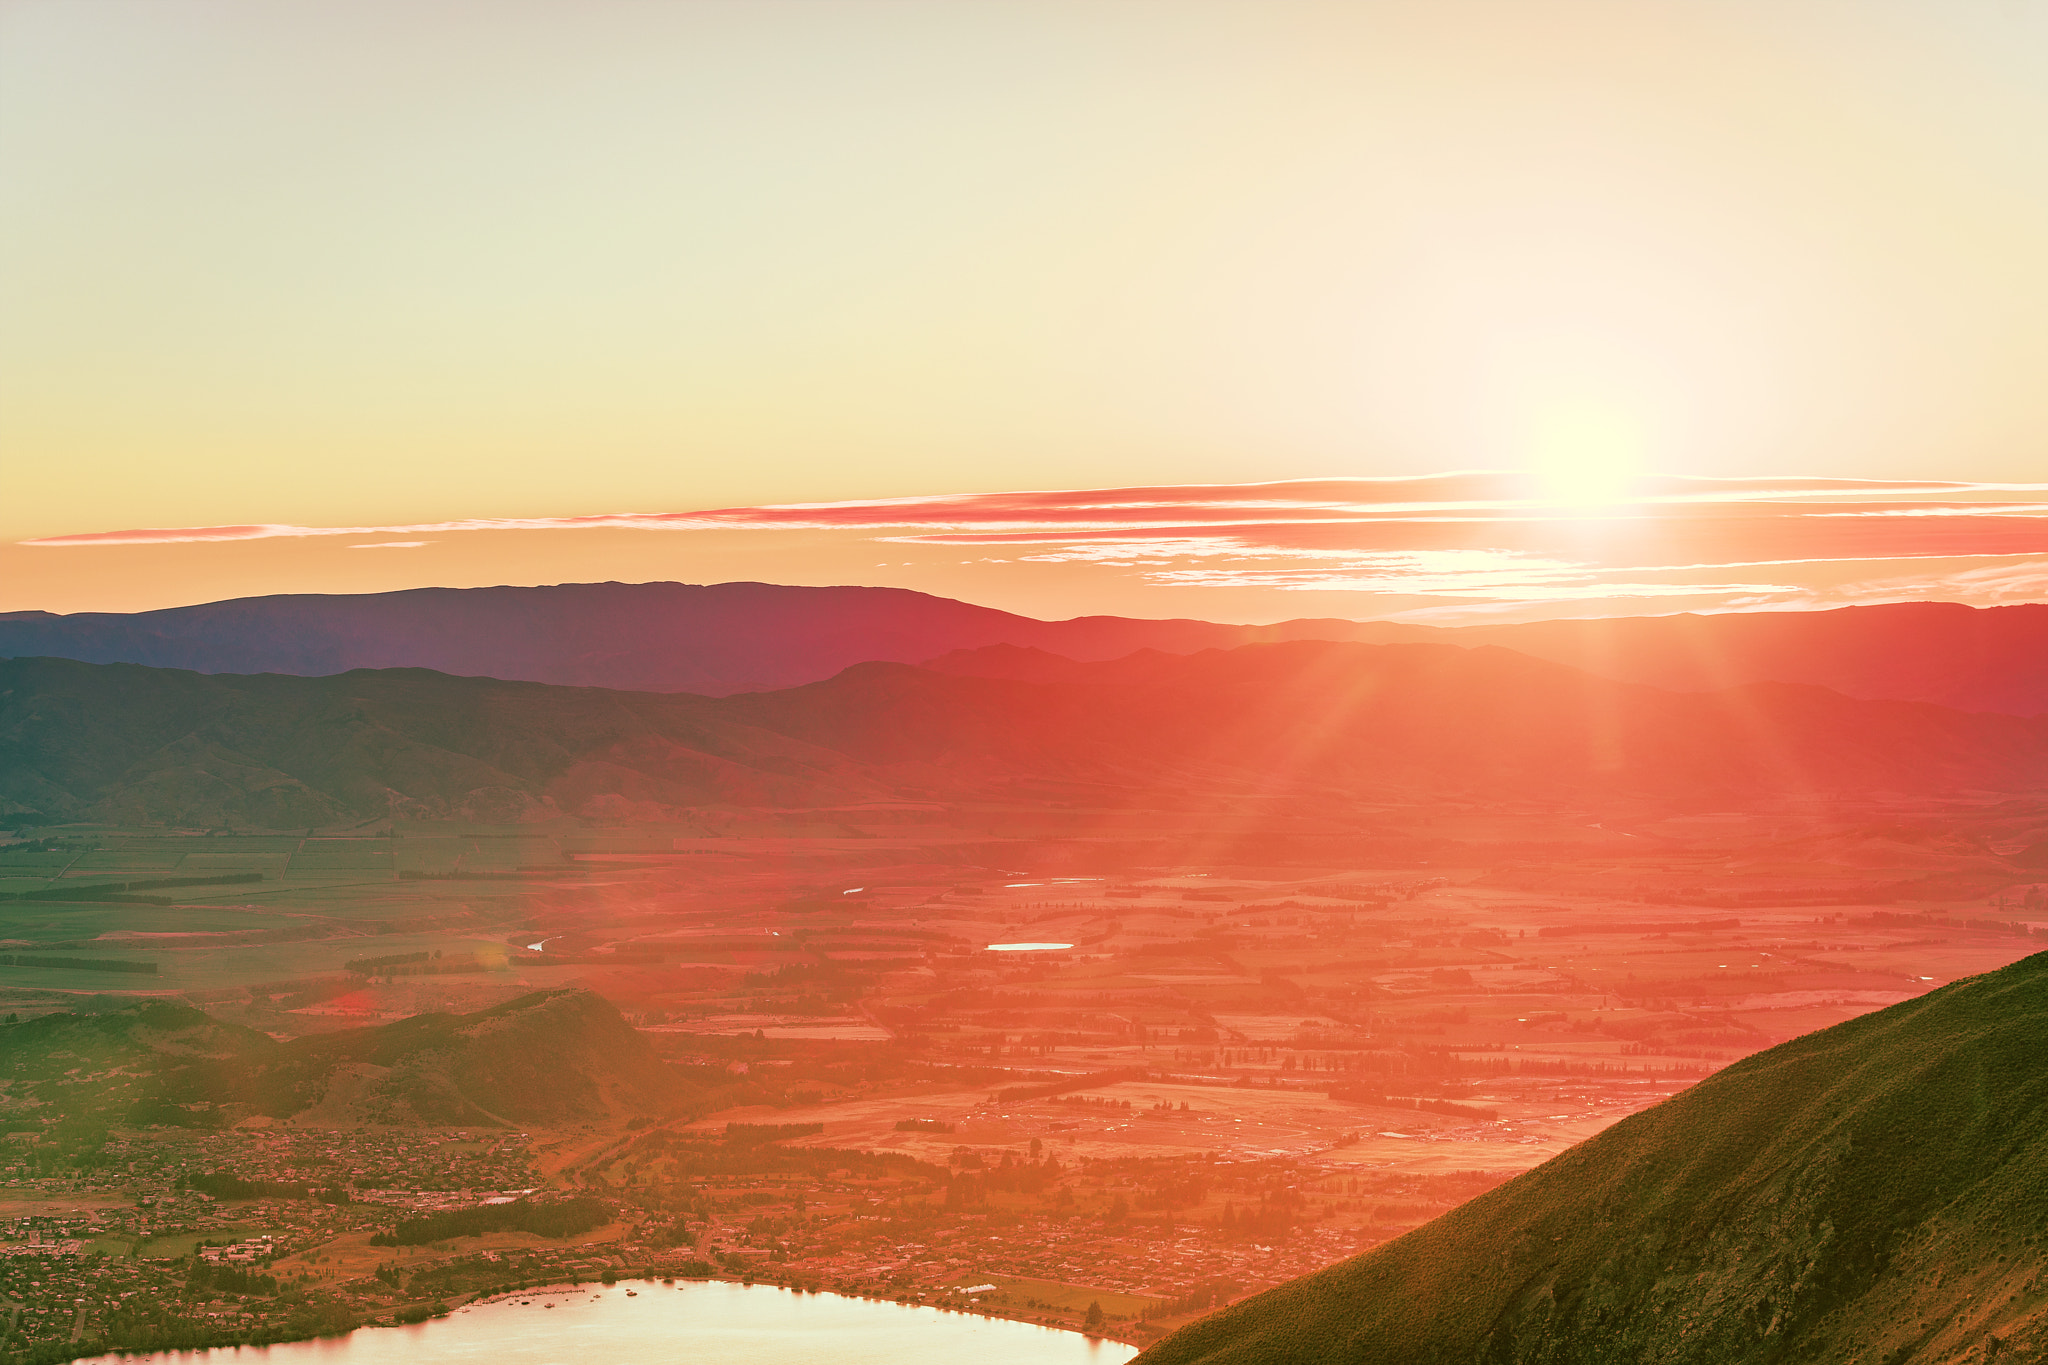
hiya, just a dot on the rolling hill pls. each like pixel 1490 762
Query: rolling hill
pixel 1875 1192
pixel 1971 658
pixel 127 744
pixel 550 1057
pixel 131 744
pixel 1402 719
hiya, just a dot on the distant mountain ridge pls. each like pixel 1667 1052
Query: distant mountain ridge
pixel 1971 658
pixel 125 744
pixel 707 639
pixel 719 639
pixel 1875 1192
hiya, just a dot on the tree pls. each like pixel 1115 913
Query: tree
pixel 1094 1318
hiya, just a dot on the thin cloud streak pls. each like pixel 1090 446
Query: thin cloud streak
pixel 1338 501
pixel 1478 540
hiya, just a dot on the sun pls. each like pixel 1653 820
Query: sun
pixel 1585 452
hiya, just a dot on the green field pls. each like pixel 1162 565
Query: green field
pixel 185 1243
pixel 219 968
pixel 319 902
pixel 93 856
pixel 70 922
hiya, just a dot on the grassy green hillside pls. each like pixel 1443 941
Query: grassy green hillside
pixel 1876 1192
pixel 550 1057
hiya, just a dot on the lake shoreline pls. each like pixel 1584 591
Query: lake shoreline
pixel 757 1325
pixel 431 1310
pixel 1141 1338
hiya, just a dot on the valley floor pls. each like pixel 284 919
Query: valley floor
pixel 1258 1046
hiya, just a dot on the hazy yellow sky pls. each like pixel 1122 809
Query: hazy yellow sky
pixel 340 263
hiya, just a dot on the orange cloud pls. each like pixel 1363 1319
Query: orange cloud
pixel 1472 541
pixel 1459 496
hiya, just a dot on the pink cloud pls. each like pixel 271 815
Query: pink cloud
pixel 1480 496
pixel 1479 540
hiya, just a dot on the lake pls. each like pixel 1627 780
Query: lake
pixel 700 1322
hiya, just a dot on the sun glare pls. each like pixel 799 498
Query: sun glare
pixel 1586 453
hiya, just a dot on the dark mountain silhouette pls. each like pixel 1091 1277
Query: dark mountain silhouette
pixel 710 639
pixel 119 742
pixel 723 638
pixel 1873 1192
pixel 550 1057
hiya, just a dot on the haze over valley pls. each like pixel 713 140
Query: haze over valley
pixel 1059 682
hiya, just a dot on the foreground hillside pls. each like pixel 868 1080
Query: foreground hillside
pixel 1874 1192
pixel 132 745
pixel 548 1058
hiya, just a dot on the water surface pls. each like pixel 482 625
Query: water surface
pixel 698 1322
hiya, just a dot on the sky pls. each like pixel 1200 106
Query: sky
pixel 1467 309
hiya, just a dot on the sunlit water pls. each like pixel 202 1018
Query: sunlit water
pixel 702 1323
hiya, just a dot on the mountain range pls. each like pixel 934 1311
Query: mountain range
pixel 719 639
pixel 128 744
pixel 1875 1192
pixel 709 639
